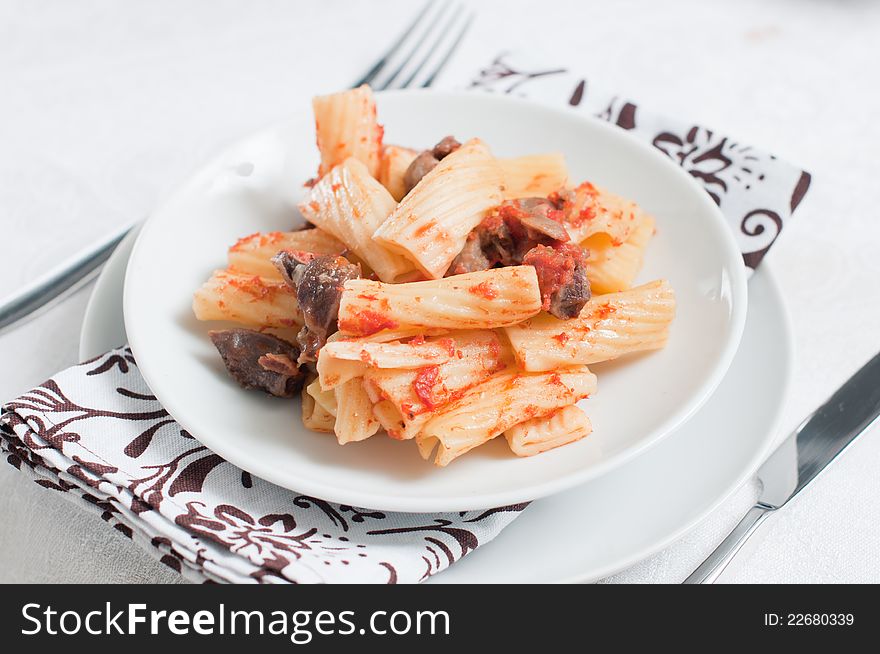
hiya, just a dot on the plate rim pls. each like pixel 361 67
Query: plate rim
pixel 385 501
pixel 771 442
pixel 89 347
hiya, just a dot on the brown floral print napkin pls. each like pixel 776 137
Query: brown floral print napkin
pixel 95 433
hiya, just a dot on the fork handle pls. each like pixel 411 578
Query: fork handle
pixel 710 569
pixel 68 275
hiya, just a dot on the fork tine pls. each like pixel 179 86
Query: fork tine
pixel 416 47
pixel 371 74
pixel 452 48
pixel 433 49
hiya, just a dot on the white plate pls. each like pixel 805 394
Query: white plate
pixel 610 523
pixel 254 186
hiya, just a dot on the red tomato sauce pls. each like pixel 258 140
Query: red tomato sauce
pixel 555 267
pixel 423 385
pixel 366 322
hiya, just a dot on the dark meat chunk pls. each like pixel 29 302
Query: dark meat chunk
pixel 497 240
pixel 445 147
pixel 538 215
pixel 426 160
pixel 319 281
pixel 260 361
pixel 508 233
pixel 562 278
pixel 471 258
pixel 422 165
pixel 291 263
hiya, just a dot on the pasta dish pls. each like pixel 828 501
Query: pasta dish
pixel 444 296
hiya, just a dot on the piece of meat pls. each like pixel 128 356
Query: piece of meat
pixel 259 361
pixel 291 263
pixel 471 258
pixel 446 146
pixel 562 278
pixel 508 232
pixel 319 281
pixel 426 160
pixel 561 199
pixel 539 215
pixel 422 165
pixel 497 240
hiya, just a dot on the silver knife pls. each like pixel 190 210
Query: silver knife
pixel 802 456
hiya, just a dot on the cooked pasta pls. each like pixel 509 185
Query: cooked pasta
pixel 354 413
pixel 346 126
pixel 608 327
pixel 392 168
pixel 325 399
pixel 496 405
pixel 431 224
pixel 345 357
pixel 443 296
pixel 247 299
pixel 252 254
pixel 333 372
pixel 592 210
pixel 480 300
pixel 612 268
pixel 417 394
pixel 314 416
pixel 393 354
pixel 566 425
pixel 390 419
pixel 351 205
pixel 535 175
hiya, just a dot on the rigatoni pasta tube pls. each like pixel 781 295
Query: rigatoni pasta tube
pixel 612 268
pixel 326 399
pixel 332 372
pixel 479 300
pixel 392 169
pixel 432 222
pixel 504 400
pixel 343 358
pixel 354 413
pixel 314 416
pixel 609 326
pixel 247 299
pixel 252 255
pixel 351 205
pixel 390 419
pixel 417 394
pixel 567 425
pixel 346 126
pixel 391 355
pixel 535 175
pixel 589 209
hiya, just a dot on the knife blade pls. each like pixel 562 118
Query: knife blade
pixel 819 439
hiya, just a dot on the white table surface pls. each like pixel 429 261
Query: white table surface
pixel 104 106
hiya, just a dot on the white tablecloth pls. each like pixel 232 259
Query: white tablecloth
pixel 105 106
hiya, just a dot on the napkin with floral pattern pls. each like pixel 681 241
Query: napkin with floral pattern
pixel 96 433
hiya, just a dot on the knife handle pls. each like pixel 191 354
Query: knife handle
pixel 714 565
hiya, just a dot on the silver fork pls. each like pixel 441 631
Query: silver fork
pixel 414 59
